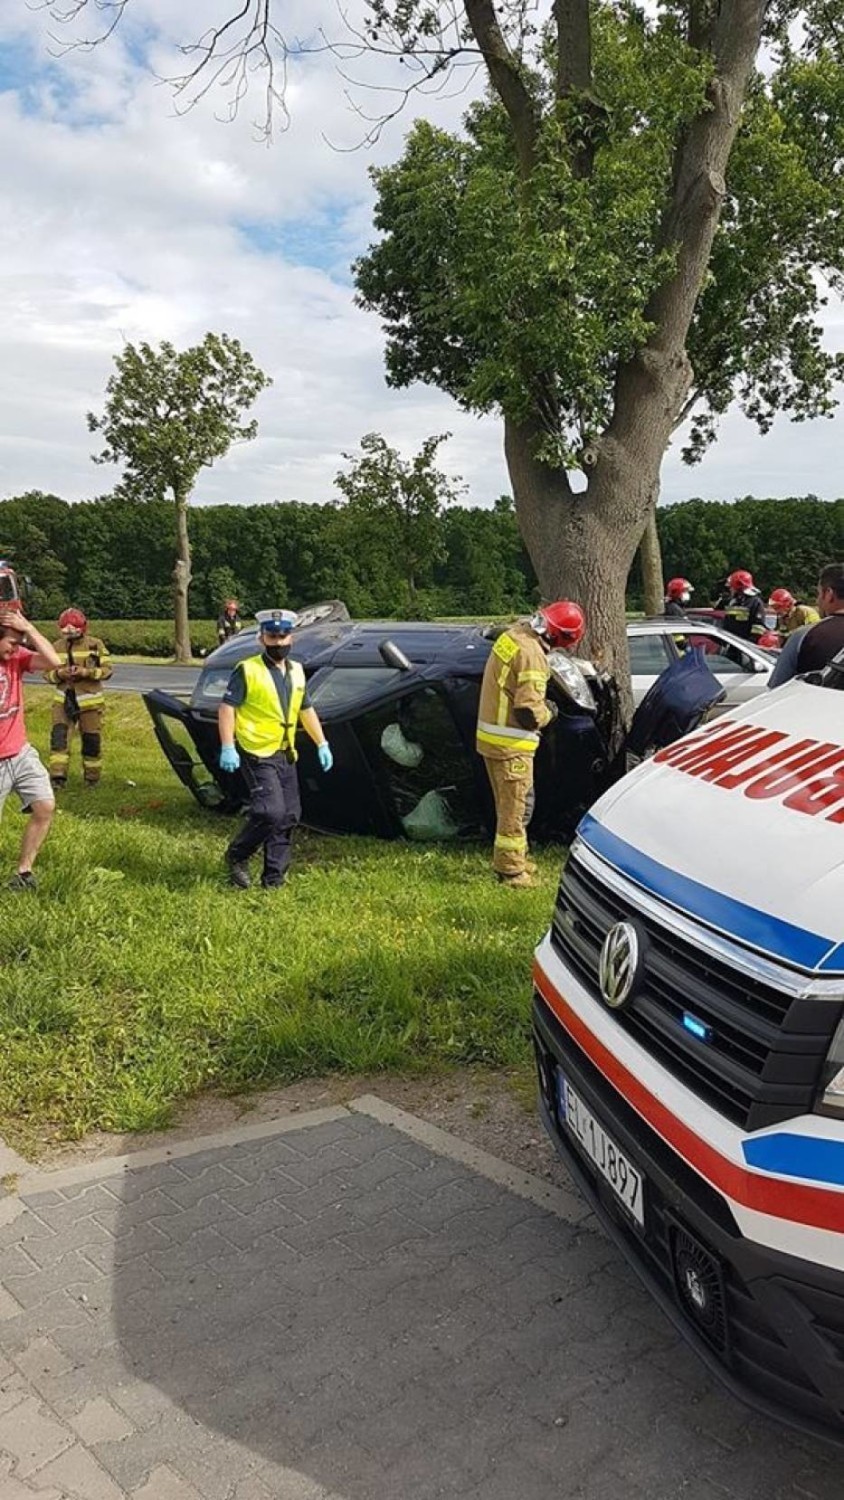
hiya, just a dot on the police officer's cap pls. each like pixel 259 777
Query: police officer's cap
pixel 277 621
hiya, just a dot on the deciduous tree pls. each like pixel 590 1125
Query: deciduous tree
pixel 169 413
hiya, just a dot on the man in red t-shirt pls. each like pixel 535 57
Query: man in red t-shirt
pixel 21 770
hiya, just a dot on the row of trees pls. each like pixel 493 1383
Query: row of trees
pixel 113 556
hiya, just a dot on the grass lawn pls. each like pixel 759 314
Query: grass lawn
pixel 136 977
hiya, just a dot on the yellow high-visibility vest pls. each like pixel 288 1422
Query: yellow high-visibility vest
pixel 260 726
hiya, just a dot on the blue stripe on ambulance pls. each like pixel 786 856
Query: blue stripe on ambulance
pixel 791 1155
pixel 758 929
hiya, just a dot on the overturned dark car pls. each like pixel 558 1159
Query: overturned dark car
pixel 399 704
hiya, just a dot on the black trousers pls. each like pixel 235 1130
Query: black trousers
pixel 274 811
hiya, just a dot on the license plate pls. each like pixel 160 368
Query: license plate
pixel 615 1168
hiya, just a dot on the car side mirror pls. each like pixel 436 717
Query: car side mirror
pixel 393 657
pixel 760 666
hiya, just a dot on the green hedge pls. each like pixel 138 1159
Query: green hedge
pixel 144 637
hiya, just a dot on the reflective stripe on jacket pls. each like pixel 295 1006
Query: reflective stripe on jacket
pixel 90 657
pixel 800 615
pixel 515 680
pixel 260 725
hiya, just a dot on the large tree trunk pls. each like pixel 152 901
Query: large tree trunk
pixel 582 544
pixel 181 582
pixel 650 561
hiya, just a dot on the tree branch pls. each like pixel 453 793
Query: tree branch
pixel 506 73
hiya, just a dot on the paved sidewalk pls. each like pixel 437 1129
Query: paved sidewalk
pixel 334 1308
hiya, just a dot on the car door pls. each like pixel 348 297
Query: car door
pixel 649 656
pixel 741 672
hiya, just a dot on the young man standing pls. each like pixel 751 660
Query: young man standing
pixel 21 770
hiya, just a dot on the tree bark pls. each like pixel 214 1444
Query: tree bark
pixel 583 544
pixel 650 558
pixel 181 582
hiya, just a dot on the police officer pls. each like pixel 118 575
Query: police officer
pixel 815 646
pixel 744 611
pixel 265 700
pixel 512 712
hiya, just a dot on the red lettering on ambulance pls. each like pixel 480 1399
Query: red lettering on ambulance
pixel 672 754
pixel 717 765
pixel 791 757
pixel 819 795
pixel 791 778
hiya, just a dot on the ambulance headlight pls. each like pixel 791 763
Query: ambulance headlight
pixel 832 1093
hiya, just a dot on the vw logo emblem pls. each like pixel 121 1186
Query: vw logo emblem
pixel 618 968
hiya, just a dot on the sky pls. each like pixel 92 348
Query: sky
pixel 122 220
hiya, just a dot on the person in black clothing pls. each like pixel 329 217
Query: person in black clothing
pixel 264 703
pixel 678 597
pixel 815 646
pixel 744 611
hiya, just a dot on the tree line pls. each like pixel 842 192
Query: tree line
pixel 113 556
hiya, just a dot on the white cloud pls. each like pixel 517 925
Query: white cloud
pixel 122 221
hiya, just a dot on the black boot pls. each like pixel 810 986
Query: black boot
pixel 238 872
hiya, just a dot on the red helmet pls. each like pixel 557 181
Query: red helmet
pixel 677 587
pixel 563 623
pixel 739 581
pixel 73 619
pixel 770 640
pixel 781 601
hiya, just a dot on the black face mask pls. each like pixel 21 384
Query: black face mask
pixel 277 653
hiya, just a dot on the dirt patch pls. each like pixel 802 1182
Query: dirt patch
pixel 493 1109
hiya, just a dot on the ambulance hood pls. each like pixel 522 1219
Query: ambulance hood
pixel 741 826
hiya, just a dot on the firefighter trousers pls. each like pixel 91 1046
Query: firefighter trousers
pixel 90 725
pixel 512 790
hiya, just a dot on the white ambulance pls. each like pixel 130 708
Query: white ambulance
pixel 689 1033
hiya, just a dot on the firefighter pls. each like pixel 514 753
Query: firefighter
pixel 79 700
pixel 513 711
pixel 228 621
pixel 744 611
pixel 264 701
pixel 790 615
pixel 678 597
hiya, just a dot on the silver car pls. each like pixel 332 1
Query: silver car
pixel 740 666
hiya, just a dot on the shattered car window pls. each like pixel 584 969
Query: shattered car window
pixel 340 686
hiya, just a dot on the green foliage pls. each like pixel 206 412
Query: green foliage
pixel 393 514
pixel 782 542
pixel 169 413
pixel 137 978
pixel 525 293
pixel 297 554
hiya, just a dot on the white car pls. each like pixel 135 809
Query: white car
pixel 740 666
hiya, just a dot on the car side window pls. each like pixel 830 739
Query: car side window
pixel 721 657
pixel 648 654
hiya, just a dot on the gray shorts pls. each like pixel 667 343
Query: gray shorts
pixel 25 775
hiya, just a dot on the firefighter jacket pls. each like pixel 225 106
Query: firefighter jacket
pixel 800 615
pixel 744 615
pixel 263 724
pixel 512 708
pixel 93 667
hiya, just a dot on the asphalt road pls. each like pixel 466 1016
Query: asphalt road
pixel 131 678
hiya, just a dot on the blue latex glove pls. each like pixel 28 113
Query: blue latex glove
pixel 229 758
pixel 326 759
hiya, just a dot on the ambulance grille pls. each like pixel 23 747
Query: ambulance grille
pixel 758 1052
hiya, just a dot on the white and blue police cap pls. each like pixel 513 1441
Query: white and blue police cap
pixel 277 621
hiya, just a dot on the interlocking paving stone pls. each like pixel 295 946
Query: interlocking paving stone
pixel 338 1311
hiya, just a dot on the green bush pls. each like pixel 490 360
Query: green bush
pixel 144 637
